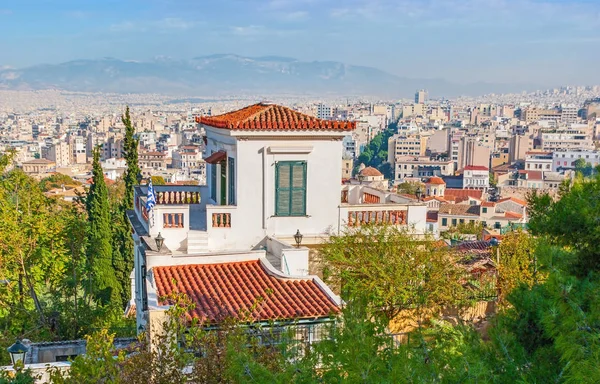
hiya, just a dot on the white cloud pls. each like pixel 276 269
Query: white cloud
pixel 167 24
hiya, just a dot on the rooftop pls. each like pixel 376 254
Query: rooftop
pixel 267 117
pixel 370 171
pixel 476 168
pixel 459 210
pixel 245 288
pixel 436 181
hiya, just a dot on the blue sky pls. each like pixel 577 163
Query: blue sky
pixel 537 41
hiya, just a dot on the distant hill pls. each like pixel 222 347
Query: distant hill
pixel 231 74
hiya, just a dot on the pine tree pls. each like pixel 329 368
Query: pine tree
pixel 102 284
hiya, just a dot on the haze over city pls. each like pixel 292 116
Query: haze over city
pixel 540 42
pixel 299 191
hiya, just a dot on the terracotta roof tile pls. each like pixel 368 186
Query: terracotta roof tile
pixel 432 217
pixel 459 210
pixel 269 117
pixel 476 168
pixel 233 289
pixel 513 215
pixel 488 204
pixel 514 200
pixel 462 193
pixel 436 181
pixel 370 171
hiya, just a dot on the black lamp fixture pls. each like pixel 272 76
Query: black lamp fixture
pixel 298 237
pixel 419 193
pixel 159 241
pixel 139 178
pixel 17 352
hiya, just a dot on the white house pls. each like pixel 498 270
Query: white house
pixel 476 177
pixel 272 173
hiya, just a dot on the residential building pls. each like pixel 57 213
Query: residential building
pixel 476 177
pixel 565 159
pixel 473 152
pixel 347 169
pixel 538 161
pixel 154 160
pixel 38 166
pixel 406 145
pixel 60 153
pixel 421 166
pixel 273 173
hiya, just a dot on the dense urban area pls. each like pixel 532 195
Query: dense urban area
pixel 147 238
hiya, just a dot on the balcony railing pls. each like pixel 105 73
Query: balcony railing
pixel 369 198
pixel 177 197
pixel 172 220
pixel 393 217
pixel 221 220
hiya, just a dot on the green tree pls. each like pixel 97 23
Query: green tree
pixel 158 180
pixel 410 188
pixel 57 180
pixel 583 168
pixel 398 272
pixel 130 153
pixel 103 284
pixel 122 243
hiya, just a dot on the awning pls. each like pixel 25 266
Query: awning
pixel 216 157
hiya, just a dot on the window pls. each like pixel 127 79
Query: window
pixel 454 222
pixel 497 225
pixel 484 210
pixel 231 181
pixel 290 188
pixel 462 221
pixel 444 222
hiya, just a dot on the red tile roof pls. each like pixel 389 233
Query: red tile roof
pixel 463 194
pixel 436 181
pixel 216 157
pixel 234 289
pixel 370 171
pixel 268 117
pixel 488 204
pixel 476 168
pixel 512 215
pixel 514 200
pixel 432 217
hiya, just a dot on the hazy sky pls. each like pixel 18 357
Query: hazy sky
pixel 536 41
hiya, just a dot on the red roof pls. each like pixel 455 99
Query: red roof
pixel 272 117
pixel 514 200
pixel 488 204
pixel 236 289
pixel 462 193
pixel 432 217
pixel 216 157
pixel 476 168
pixel 370 171
pixel 436 181
pixel 512 215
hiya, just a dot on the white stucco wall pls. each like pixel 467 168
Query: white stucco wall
pixel 254 217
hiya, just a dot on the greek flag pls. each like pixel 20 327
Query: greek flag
pixel 150 197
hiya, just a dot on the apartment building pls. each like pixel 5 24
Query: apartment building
pixel 565 159
pixel 421 166
pixel 538 161
pixel 577 136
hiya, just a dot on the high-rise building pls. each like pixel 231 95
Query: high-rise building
pixel 420 96
pixel 323 112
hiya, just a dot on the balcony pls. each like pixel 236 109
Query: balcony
pixel 362 205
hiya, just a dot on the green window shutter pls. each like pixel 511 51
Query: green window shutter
pixel 231 181
pixel 290 188
pixel 213 182
pixel 444 222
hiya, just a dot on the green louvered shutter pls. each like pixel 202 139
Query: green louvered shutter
pixel 290 184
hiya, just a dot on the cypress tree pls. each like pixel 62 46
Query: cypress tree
pixel 130 153
pixel 122 241
pixel 102 284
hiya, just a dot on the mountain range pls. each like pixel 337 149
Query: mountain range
pixel 228 74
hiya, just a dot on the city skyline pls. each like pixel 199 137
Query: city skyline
pixel 524 42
